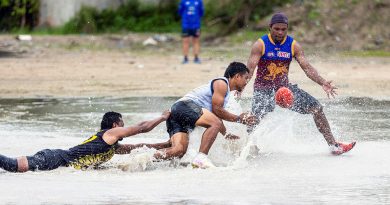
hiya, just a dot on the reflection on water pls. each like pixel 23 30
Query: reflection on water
pixel 74 116
pixel 365 118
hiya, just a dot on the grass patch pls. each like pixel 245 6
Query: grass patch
pixel 39 31
pixel 245 35
pixel 375 53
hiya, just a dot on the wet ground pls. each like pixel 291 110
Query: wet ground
pixel 294 165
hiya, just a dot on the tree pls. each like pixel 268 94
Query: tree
pixel 18 13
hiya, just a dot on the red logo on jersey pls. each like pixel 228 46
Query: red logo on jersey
pixel 283 54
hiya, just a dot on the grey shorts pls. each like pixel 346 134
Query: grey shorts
pixel 264 101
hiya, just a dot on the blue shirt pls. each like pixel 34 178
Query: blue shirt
pixel 191 12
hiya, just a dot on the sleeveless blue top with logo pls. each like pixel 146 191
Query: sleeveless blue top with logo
pixel 273 66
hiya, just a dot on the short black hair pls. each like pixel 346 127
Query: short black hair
pixel 234 68
pixel 109 118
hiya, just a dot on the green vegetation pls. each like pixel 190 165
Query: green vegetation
pixel 227 21
pixel 220 19
pixel 313 15
pixel 132 16
pixel 372 53
pixel 244 36
pixel 313 11
pixel 229 16
pixel 223 18
pixel 40 31
pixel 18 14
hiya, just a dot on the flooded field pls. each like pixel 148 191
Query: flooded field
pixel 294 165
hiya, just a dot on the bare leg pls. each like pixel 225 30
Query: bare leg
pixel 213 125
pixel 196 45
pixel 179 147
pixel 186 45
pixel 22 164
pixel 323 126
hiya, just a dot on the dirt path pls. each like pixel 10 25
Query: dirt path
pixel 61 72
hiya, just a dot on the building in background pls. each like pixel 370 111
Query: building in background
pixel 56 13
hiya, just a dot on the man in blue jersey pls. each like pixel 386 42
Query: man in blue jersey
pixel 191 12
pixel 204 106
pixel 272 54
pixel 94 151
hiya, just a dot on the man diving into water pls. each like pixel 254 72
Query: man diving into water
pixel 94 151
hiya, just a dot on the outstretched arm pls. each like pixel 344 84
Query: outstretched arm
pixel 312 73
pixel 115 134
pixel 127 148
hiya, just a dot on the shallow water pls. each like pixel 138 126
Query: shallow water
pixel 294 165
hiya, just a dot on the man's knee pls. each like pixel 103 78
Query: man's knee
pixel 179 146
pixel 217 124
pixel 179 151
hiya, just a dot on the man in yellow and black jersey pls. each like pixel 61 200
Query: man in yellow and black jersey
pixel 94 151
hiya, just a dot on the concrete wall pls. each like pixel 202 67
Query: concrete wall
pixel 57 12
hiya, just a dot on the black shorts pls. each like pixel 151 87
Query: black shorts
pixel 264 101
pixel 184 115
pixel 47 159
pixel 186 32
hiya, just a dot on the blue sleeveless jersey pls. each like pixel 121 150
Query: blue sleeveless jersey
pixel 274 64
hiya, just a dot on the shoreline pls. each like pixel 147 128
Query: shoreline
pixel 47 70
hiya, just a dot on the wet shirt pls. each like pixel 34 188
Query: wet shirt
pixel 191 12
pixel 203 95
pixel 273 66
pixel 92 152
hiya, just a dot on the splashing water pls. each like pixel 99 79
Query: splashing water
pixel 140 159
pixel 294 165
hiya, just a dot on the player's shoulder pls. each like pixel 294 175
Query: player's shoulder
pixel 220 82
